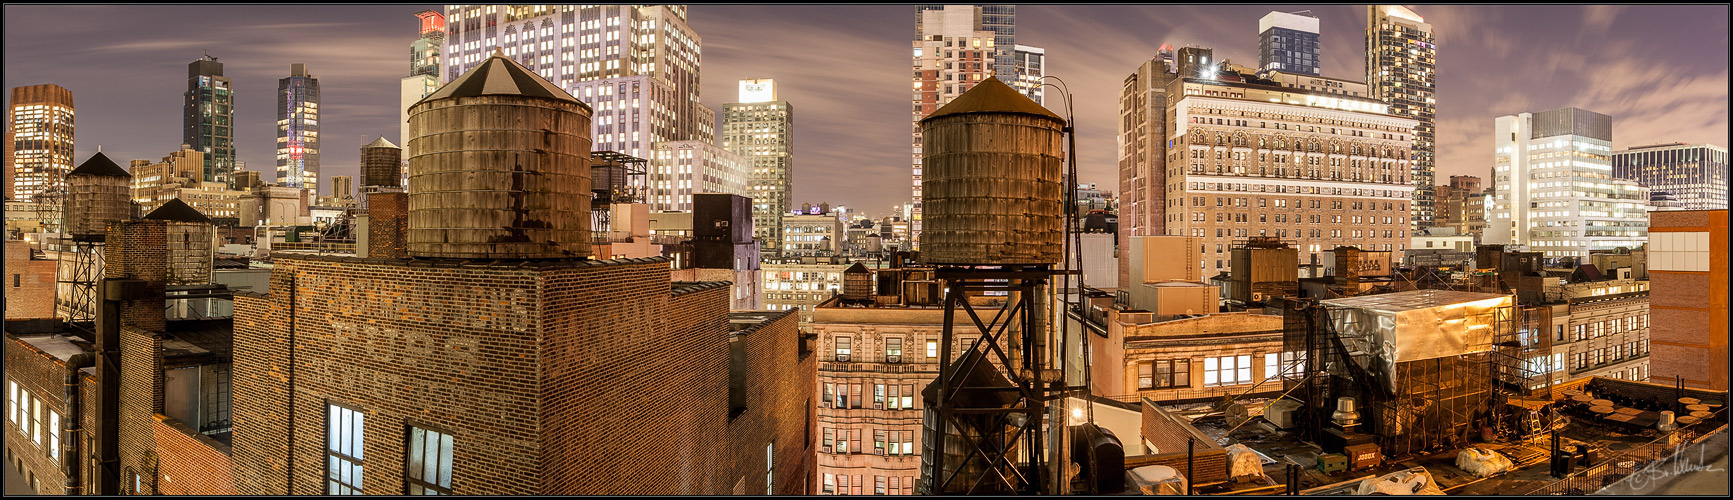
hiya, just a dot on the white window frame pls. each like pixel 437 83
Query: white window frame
pixel 54 435
pixel 12 401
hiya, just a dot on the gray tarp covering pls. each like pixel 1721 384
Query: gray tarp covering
pixel 1415 325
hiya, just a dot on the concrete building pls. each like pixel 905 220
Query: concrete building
pixel 343 187
pixel 180 176
pixel 1443 237
pixel 1187 359
pixel 40 145
pixel 680 169
pixel 1688 277
pixel 816 235
pixel 1599 328
pixel 1162 283
pixel 793 283
pixel 1694 175
pixel 723 248
pixel 298 129
pixel 953 51
pixel 208 118
pixel 1298 159
pixel 637 65
pixel 1401 66
pixel 1289 43
pixel 873 358
pixel 1027 63
pixel 1554 186
pixel 760 128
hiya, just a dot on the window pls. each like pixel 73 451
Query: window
pixel 1227 370
pixel 36 421
pixel 12 402
pixel 828 389
pixel 770 468
pixel 879 396
pixel 894 401
pixel 842 484
pixel 1272 366
pixel 830 483
pixel 854 395
pixel 429 468
pixel 1164 374
pixel 53 435
pixel 909 396
pixel 932 349
pixel 829 437
pixel 894 350
pixel 842 440
pixel 878 441
pixel 878 485
pixel 842 348
pixel 343 450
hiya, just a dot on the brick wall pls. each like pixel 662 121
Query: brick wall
pixel 1688 309
pixel 141 397
pixel 779 403
pixel 1208 466
pixel 563 377
pixel 138 249
pixel 44 377
pixel 191 463
pixel 1169 432
pixel 635 382
pixel 259 390
pixel 29 283
pixel 388 225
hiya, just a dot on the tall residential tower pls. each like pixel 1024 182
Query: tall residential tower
pixel 424 71
pixel 1289 43
pixel 208 118
pixel 1400 65
pixel 298 129
pixel 760 128
pixel 954 49
pixel 41 140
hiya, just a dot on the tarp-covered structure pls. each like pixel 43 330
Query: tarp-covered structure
pixel 1393 328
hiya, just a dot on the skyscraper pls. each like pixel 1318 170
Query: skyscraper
pixel 760 128
pixel 1400 66
pixel 424 73
pixel 298 129
pixel 636 65
pixel 1142 153
pixel 342 186
pixel 1694 175
pixel 1554 189
pixel 1288 43
pixel 41 140
pixel 208 118
pixel 953 51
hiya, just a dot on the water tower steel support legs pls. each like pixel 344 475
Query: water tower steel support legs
pixel 997 443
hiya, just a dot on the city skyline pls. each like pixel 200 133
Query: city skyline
pixel 1494 60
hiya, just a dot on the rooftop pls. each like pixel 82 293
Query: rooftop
pixel 1414 300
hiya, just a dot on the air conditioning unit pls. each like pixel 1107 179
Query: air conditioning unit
pixel 1257 297
pixel 842 358
pixel 878 406
pixel 827 449
pixel 893 359
pixel 880 452
pixel 824 404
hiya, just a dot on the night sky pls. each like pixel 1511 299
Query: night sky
pixel 1660 71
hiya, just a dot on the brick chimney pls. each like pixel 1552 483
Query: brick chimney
pixel 388 225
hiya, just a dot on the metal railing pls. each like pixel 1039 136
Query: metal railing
pixel 1612 469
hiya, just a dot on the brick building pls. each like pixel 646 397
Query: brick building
pixel 526 361
pixel 31 283
pixel 873 357
pixel 1687 266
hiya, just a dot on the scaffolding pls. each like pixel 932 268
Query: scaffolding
pixel 79 277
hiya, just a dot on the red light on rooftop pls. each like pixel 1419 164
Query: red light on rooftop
pixel 431 20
